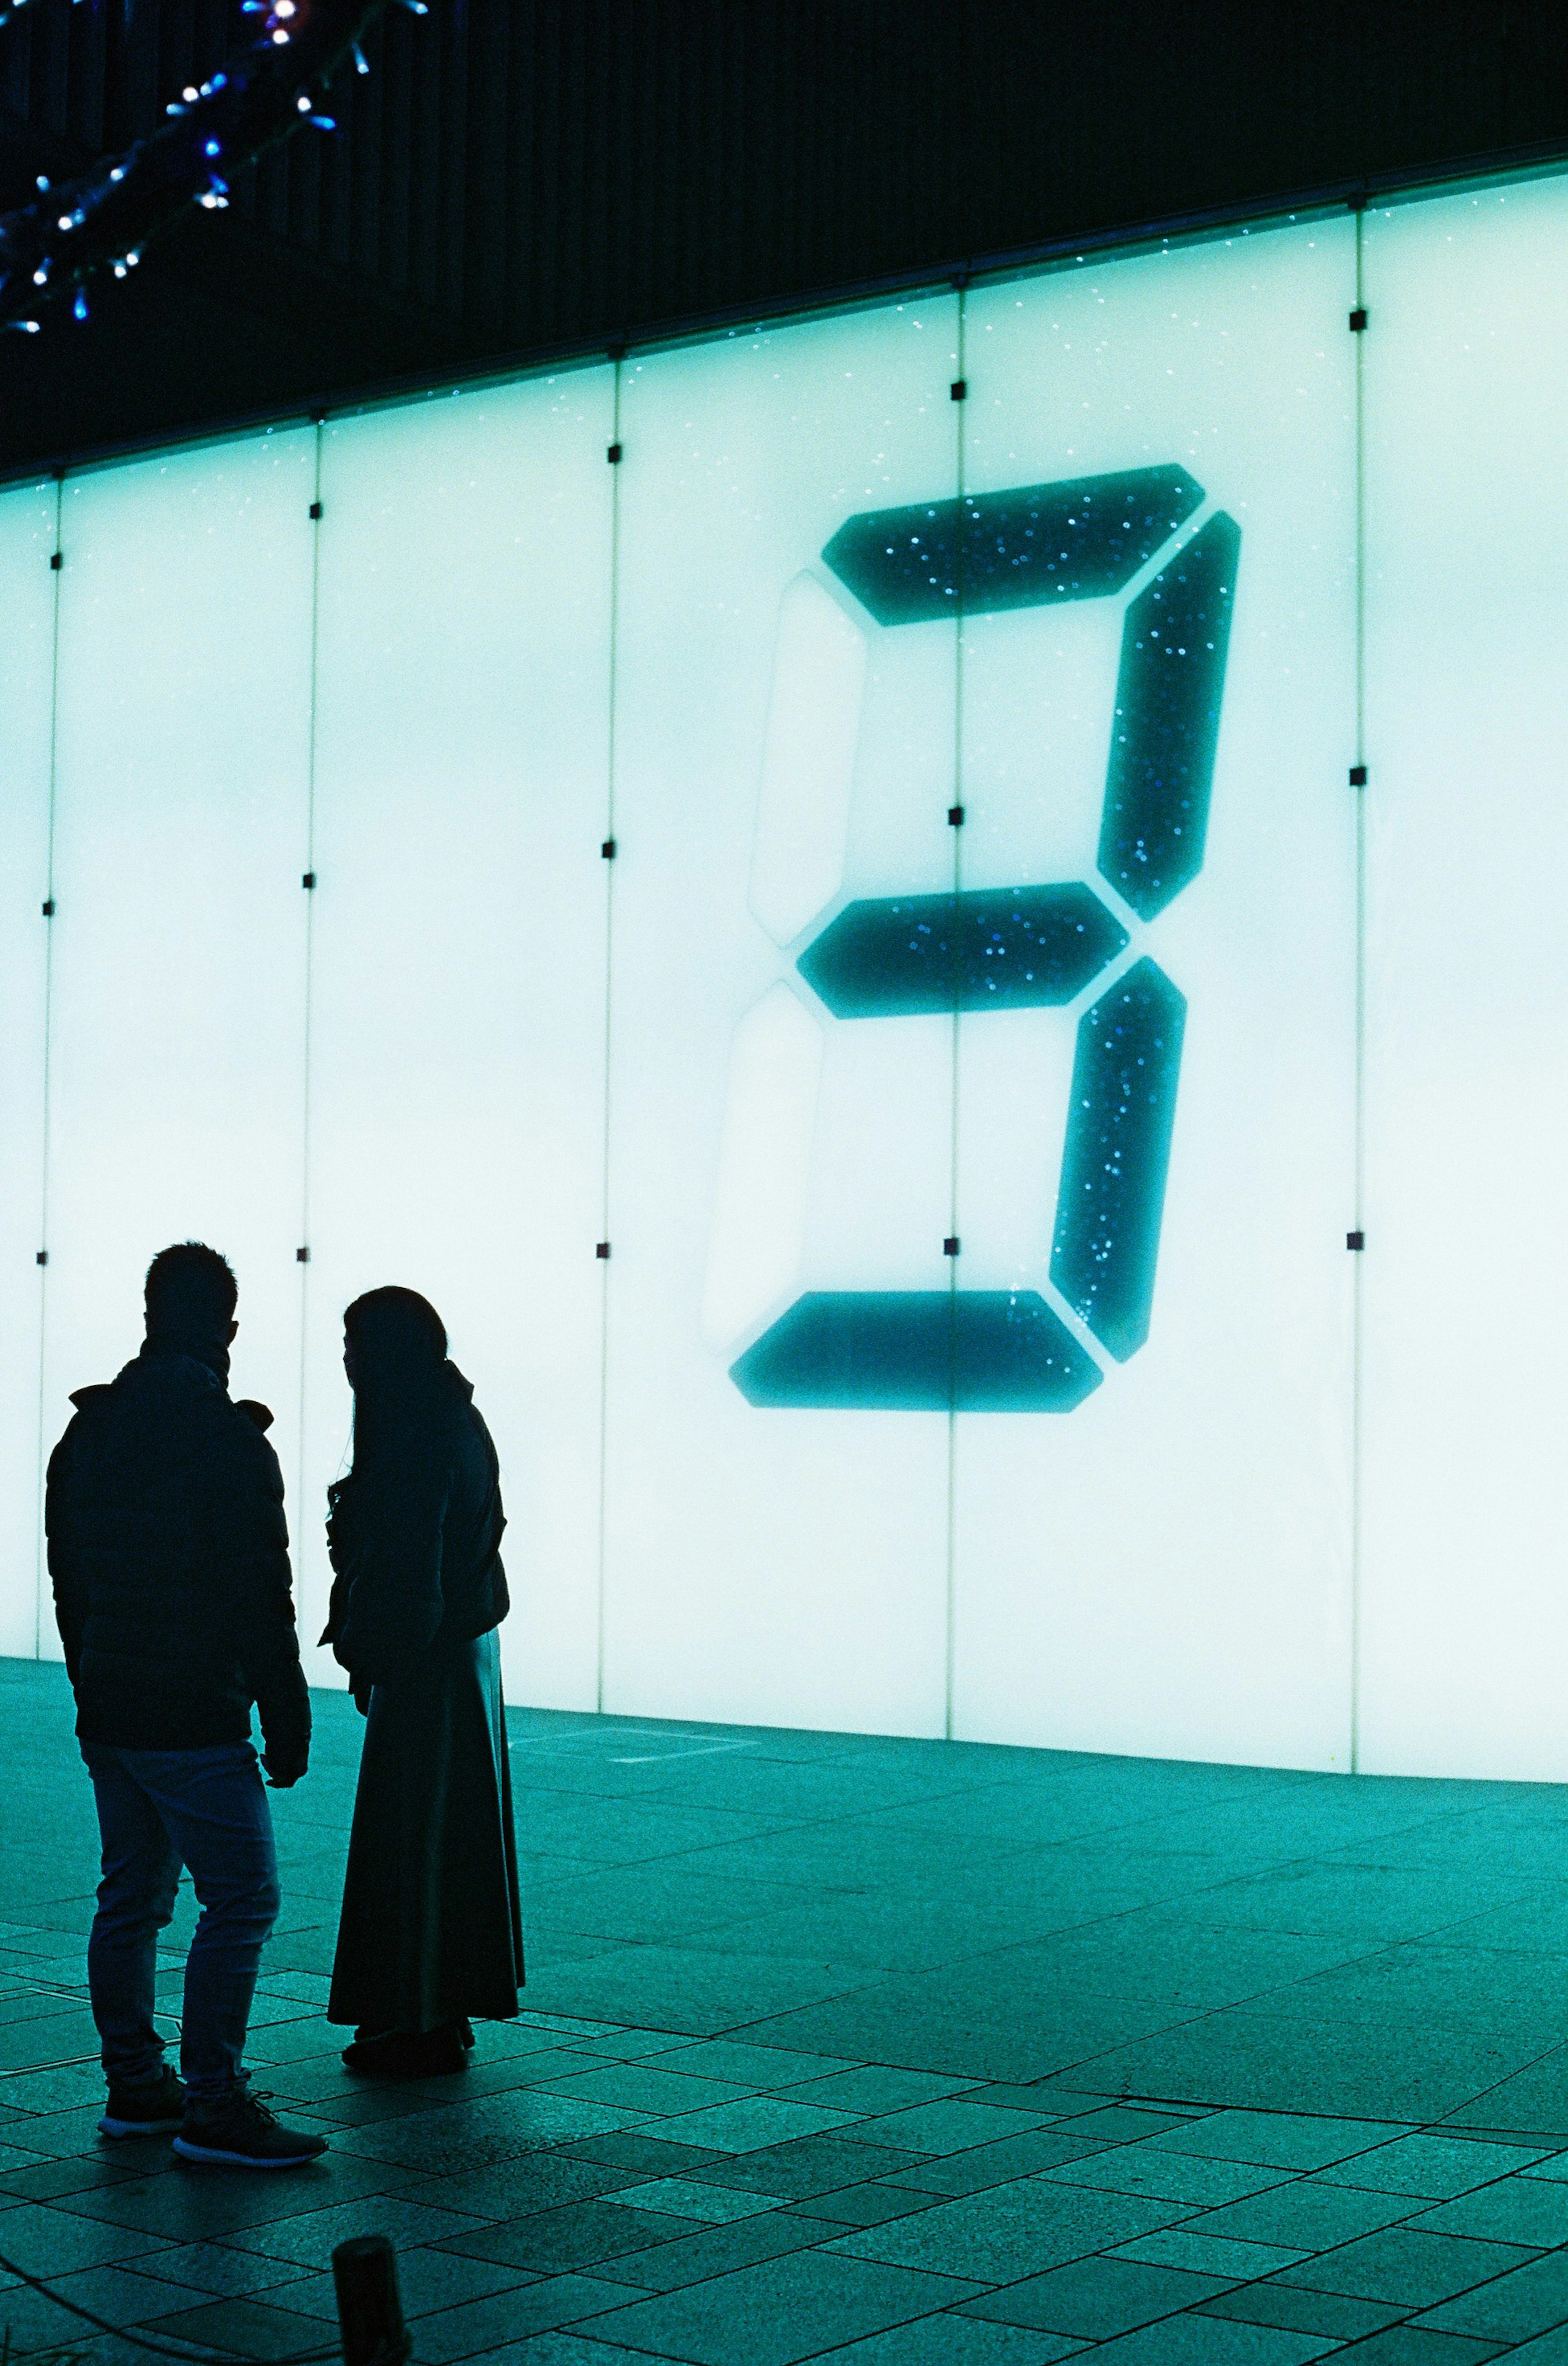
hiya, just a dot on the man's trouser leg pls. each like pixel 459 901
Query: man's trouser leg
pixel 136 1899
pixel 213 1807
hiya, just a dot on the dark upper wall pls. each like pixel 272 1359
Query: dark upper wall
pixel 519 176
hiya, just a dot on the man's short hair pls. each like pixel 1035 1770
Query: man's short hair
pixel 191 1292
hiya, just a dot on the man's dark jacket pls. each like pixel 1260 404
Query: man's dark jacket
pixel 168 1553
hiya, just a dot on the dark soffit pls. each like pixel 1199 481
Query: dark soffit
pixel 524 180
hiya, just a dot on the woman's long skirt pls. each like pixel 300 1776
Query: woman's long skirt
pixel 432 1926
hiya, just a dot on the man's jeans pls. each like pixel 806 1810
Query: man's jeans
pixel 159 1810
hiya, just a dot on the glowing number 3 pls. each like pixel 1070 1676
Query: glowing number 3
pixel 988 950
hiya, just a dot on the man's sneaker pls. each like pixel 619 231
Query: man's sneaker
pixel 148 2110
pixel 243 2133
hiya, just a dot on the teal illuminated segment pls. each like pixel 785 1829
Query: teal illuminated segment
pixel 1078 539
pixel 1036 946
pixel 995 949
pixel 1116 1156
pixel 918 1351
pixel 1167 722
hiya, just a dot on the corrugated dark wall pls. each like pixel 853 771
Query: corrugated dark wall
pixel 519 176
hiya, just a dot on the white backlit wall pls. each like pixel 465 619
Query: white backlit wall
pixel 1464 1537
pixel 177 996
pixel 1173 1558
pixel 458 955
pixel 974 1056
pixel 779 1565
pixel 27 587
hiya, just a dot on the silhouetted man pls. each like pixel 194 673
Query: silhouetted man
pixel 168 1553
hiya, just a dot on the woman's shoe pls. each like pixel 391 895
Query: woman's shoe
pixel 407 2054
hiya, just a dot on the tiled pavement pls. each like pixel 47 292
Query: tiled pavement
pixel 884 2051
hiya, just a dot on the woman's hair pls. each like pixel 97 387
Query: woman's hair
pixel 402 1381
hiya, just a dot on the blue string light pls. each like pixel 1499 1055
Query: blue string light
pixel 101 219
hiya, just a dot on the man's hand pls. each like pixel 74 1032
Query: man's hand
pixel 285 1767
pixel 283 1706
pixel 360 1686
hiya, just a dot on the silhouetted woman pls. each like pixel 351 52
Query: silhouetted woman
pixel 431 1929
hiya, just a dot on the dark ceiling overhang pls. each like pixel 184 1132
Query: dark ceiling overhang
pixel 522 179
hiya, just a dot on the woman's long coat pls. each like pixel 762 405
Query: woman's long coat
pixel 432 1926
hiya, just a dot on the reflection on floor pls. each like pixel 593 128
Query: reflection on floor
pixel 886 2051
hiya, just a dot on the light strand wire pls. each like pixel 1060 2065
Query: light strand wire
pixel 57 568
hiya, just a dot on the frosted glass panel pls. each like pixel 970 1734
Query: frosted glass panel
pixel 27 605
pixel 458 1016
pixel 1465 1535
pixel 776 1521
pixel 177 1083
pixel 966 1025
pixel 1152 1516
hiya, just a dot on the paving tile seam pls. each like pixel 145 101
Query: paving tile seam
pixel 1496 2084
pixel 1403 2316
pixel 606 2268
